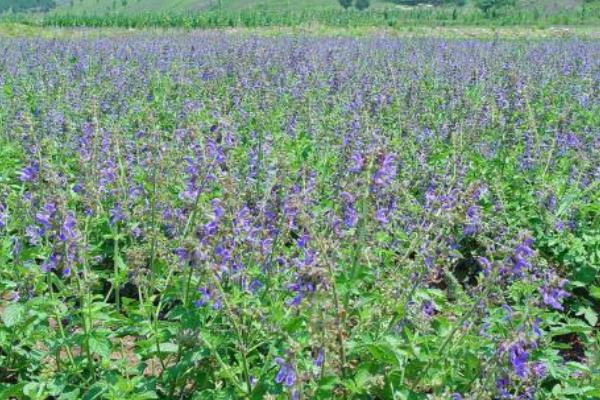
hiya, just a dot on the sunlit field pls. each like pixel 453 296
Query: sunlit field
pixel 234 215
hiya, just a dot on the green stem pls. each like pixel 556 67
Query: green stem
pixel 116 270
pixel 238 330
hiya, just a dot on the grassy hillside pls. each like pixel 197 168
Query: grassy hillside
pixel 132 7
pixel 261 13
pixel 136 6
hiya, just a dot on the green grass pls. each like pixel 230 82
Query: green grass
pixel 236 14
pixel 137 6
pixel 160 6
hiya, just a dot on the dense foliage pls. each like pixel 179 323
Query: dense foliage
pixel 362 4
pixel 345 3
pixel 206 216
pixel 26 5
pixel 435 16
pixel 488 5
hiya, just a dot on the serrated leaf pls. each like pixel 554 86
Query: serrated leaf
pixel 13 314
pixel 100 346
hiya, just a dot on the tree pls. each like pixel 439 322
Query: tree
pixel 362 4
pixel 26 5
pixel 487 5
pixel 345 3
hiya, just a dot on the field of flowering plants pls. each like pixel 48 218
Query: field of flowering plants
pixel 229 216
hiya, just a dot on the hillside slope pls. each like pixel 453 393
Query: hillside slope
pixel 139 6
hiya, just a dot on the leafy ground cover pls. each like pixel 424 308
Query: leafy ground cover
pixel 224 216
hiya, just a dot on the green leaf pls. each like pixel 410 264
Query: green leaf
pixel 100 346
pixel 168 347
pixel 586 275
pixel 590 316
pixel 94 392
pixel 328 382
pixel 31 390
pixel 13 314
pixel 74 395
pixel 12 391
pixel 595 292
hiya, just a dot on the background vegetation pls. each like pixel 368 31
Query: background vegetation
pixel 345 13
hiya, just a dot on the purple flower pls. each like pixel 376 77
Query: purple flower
pixel 283 371
pixel 502 387
pixel 517 355
pixel 522 254
pixel 387 170
pixel 290 379
pixel 509 312
pixel 473 221
pixel 136 231
pixel 553 296
pixel 50 263
pixel 381 216
pixel 3 215
pixel 303 241
pixel 350 214
pixel 520 264
pixel 205 297
pixel 68 228
pixel 296 300
pixel 473 213
pixel 485 265
pixel 320 358
pixel 46 214
pixel 356 163
pixel 34 234
pixel 286 373
pixel 211 228
pixel 470 230
pixel 218 211
pixel 255 286
pixel 182 254
pixel 539 369
pixel 29 173
pixel 524 248
pixel 116 214
pixel 428 308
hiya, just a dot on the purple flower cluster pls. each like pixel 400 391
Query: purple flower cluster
pixel 286 373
